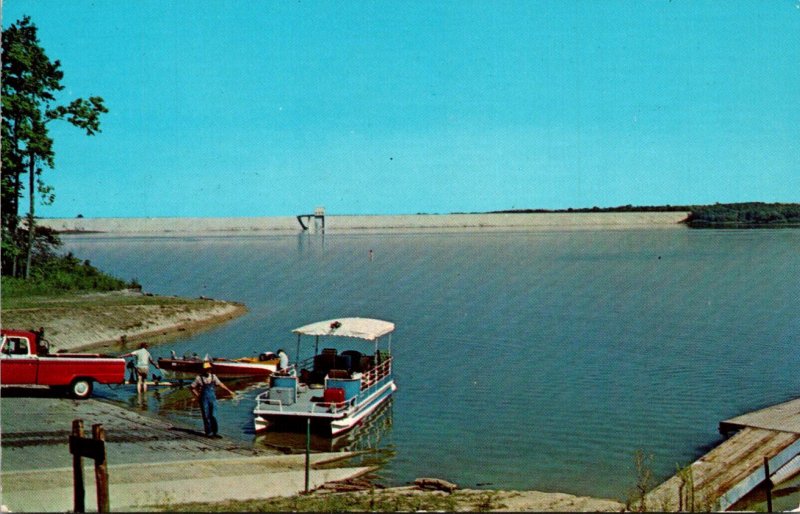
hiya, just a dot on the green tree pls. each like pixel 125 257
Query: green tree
pixel 30 83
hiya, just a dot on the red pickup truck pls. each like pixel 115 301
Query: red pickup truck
pixel 25 359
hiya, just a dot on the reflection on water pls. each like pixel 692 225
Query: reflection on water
pixel 173 399
pixel 180 399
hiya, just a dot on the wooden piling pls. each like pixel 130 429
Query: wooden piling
pixel 95 449
pixel 308 450
pixel 101 470
pixel 79 490
pixel 767 484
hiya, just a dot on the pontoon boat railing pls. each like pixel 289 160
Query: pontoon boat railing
pixel 368 377
pixel 376 373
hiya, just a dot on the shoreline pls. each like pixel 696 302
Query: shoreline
pixel 118 320
pixel 169 333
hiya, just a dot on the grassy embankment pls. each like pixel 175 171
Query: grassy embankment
pixel 81 307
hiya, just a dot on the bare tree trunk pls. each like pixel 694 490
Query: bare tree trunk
pixel 31 227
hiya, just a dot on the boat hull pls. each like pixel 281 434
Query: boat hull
pixel 219 367
pixel 331 424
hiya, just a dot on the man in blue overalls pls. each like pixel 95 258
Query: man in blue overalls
pixel 204 389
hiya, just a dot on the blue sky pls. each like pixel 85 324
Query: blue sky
pixel 262 108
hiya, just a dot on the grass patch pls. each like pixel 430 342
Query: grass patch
pixel 87 300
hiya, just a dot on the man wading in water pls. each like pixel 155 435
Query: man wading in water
pixel 204 389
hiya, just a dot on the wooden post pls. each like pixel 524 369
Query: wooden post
pixel 308 448
pixel 77 470
pixel 95 449
pixel 101 470
pixel 767 484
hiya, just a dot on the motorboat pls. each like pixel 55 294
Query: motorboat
pixel 261 366
pixel 334 390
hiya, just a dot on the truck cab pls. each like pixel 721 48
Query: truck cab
pixel 17 354
pixel 25 359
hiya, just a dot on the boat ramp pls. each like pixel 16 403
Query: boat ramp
pixel 757 444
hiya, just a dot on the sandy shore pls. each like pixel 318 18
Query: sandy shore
pixel 488 500
pixel 344 224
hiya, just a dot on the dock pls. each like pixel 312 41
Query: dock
pixel 766 441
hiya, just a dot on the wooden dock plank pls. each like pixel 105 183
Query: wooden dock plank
pixel 734 470
pixel 721 469
pixel 784 417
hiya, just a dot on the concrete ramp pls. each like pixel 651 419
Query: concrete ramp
pixel 140 487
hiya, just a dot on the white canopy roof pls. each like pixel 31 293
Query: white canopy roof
pixel 361 328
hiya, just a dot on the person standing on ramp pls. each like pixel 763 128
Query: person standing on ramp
pixel 204 389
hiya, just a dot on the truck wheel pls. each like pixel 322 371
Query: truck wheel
pixel 81 388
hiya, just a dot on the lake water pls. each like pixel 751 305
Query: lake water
pixel 524 360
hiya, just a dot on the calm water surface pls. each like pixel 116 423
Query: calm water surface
pixel 533 360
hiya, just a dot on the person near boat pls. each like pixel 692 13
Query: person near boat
pixel 204 389
pixel 143 361
pixel 283 362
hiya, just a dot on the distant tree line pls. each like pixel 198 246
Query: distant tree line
pixel 621 208
pixel 745 214
pixel 719 215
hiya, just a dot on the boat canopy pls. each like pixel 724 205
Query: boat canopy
pixel 361 328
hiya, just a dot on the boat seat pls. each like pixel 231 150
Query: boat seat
pixel 329 351
pixel 344 362
pixel 324 362
pixel 338 373
pixel 355 359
